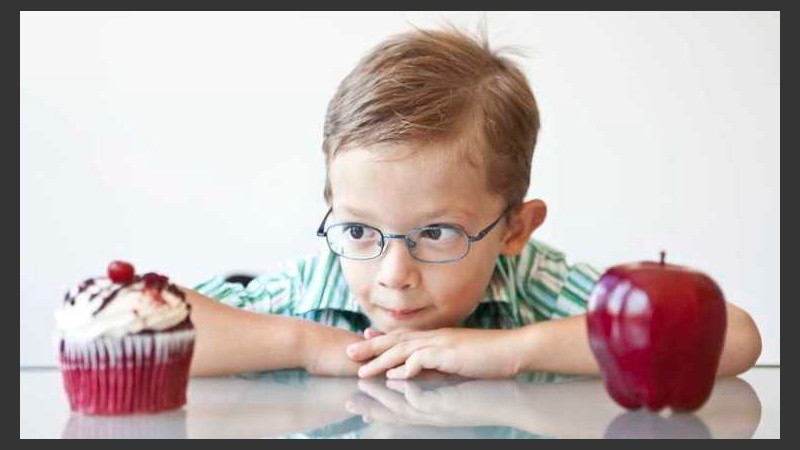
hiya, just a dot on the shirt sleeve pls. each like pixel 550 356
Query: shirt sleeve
pixel 548 287
pixel 269 294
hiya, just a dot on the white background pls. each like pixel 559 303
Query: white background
pixel 189 143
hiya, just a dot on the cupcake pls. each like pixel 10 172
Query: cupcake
pixel 125 343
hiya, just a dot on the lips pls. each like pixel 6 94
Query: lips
pixel 403 314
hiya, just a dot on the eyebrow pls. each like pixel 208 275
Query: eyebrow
pixel 357 212
pixel 447 211
pixel 428 217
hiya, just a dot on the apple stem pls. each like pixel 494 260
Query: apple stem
pixel 663 255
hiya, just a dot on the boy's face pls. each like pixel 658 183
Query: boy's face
pixel 394 190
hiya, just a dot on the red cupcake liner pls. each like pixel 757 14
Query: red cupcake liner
pixel 144 373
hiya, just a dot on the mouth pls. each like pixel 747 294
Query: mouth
pixel 403 314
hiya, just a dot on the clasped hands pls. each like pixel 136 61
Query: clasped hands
pixel 456 351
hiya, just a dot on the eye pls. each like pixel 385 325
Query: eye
pixel 355 231
pixel 431 233
pixel 439 234
pixel 360 233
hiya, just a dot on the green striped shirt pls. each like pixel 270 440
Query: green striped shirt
pixel 533 286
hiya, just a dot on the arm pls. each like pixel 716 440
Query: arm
pixel 559 345
pixel 562 345
pixel 231 340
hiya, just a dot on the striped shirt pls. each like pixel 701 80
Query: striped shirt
pixel 533 286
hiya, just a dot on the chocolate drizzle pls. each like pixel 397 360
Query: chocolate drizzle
pixel 85 285
pixel 172 289
pixel 110 293
pixel 108 299
pixel 70 296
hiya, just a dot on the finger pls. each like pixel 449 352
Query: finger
pixel 370 333
pixel 370 348
pixel 441 403
pixel 399 386
pixel 413 392
pixel 424 358
pixel 428 401
pixel 391 400
pixel 398 373
pixel 371 409
pixel 358 404
pixel 389 359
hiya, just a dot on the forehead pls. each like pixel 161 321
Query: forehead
pixel 399 181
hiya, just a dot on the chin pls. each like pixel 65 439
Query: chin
pixel 388 325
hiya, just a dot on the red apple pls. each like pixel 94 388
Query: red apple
pixel 657 332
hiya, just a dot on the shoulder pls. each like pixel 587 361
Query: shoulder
pixel 275 291
pixel 548 283
pixel 540 259
pixel 537 260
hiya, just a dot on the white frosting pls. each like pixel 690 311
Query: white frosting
pixel 132 310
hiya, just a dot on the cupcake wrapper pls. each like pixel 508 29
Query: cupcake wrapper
pixel 130 374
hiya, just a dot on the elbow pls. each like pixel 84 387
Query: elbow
pixel 753 341
pixel 743 344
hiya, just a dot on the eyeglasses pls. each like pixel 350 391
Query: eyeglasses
pixel 438 243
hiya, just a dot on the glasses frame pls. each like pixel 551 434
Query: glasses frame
pixel 323 232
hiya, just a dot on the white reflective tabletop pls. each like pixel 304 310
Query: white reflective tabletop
pixel 292 404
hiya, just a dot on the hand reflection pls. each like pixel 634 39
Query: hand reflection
pixel 433 409
pixel 579 408
pixel 292 403
pixel 430 402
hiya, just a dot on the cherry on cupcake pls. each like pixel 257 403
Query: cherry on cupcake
pixel 154 280
pixel 154 283
pixel 121 272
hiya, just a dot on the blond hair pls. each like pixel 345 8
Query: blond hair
pixel 439 85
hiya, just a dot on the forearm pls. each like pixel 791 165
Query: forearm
pixel 230 340
pixel 562 345
pixel 557 345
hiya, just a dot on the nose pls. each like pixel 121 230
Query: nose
pixel 398 269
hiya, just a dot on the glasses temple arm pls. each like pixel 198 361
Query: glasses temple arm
pixel 491 226
pixel 321 229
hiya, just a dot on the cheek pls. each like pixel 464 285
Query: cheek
pixel 459 288
pixel 454 289
pixel 359 276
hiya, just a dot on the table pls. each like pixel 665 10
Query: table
pixel 292 404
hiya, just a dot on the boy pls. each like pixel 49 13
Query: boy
pixel 428 145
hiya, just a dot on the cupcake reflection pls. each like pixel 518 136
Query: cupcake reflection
pixel 166 425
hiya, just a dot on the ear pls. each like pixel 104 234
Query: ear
pixel 521 222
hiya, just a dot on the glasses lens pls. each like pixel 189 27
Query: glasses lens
pixel 439 243
pixel 355 241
